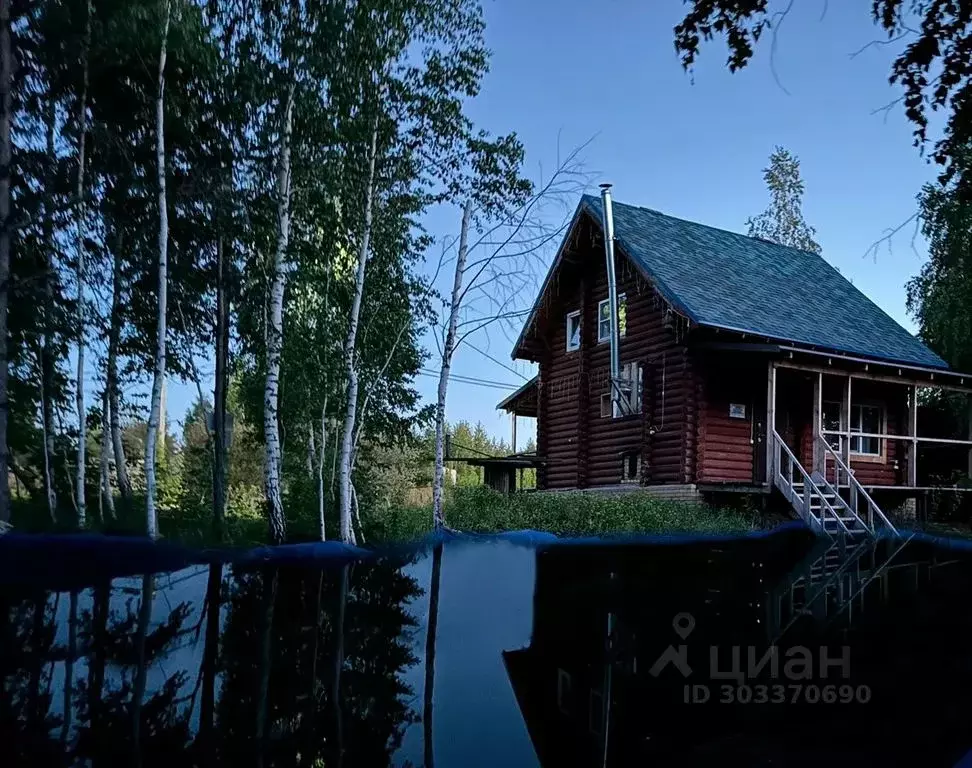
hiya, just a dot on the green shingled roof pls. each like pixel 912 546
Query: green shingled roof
pixel 727 280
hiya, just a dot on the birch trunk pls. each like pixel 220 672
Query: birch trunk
pixel 111 375
pixel 347 437
pixel 79 242
pixel 220 448
pixel 448 348
pixel 107 499
pixel 151 515
pixel 271 393
pixel 320 472
pixel 311 449
pixel 46 355
pixel 6 82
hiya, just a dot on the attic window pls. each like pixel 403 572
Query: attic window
pixel 573 331
pixel 604 318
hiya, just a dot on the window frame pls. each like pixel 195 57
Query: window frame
pixel 882 410
pixel 622 299
pixel 570 316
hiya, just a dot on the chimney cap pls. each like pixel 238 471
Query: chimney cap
pixel 606 185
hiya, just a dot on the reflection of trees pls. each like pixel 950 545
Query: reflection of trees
pixel 27 643
pixel 285 679
pixel 278 644
pixel 98 707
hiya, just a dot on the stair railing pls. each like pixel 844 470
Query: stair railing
pixel 856 491
pixel 782 455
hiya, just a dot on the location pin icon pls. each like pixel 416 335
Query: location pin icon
pixel 683 624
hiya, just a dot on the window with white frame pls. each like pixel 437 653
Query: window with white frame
pixel 629 392
pixel 604 318
pixel 630 389
pixel 865 418
pixel 573 331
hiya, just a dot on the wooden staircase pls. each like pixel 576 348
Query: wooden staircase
pixel 838 510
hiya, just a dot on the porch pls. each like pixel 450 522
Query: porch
pixel 842 432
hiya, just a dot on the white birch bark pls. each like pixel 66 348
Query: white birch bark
pixel 320 472
pixel 46 353
pixel 111 377
pixel 107 499
pixel 347 436
pixel 79 240
pixel 151 514
pixel 274 333
pixel 448 348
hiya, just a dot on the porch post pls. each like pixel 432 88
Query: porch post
pixel 771 447
pixel 913 433
pixel 846 426
pixel 818 454
pixel 513 416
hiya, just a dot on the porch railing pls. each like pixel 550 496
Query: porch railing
pixel 785 468
pixel 873 517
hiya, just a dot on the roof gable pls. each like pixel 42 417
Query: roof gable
pixel 727 280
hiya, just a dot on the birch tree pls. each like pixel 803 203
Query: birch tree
pixel 350 414
pixel 271 425
pixel 80 247
pixel 495 264
pixel 152 523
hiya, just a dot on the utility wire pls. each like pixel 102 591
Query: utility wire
pixel 490 357
pixel 471 380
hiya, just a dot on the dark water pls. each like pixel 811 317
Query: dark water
pixel 492 653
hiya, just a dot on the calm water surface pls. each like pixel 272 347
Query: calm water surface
pixel 490 653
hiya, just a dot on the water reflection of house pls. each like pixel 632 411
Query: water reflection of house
pixel 561 679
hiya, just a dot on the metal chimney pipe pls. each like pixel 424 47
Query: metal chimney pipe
pixel 607 224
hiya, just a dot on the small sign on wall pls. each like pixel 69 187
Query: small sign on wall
pixel 737 411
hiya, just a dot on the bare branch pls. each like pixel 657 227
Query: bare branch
pixel 889 234
pixel 777 21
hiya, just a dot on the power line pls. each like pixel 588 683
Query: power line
pixel 470 380
pixel 490 357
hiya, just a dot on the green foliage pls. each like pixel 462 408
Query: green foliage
pixel 482 510
pixel 782 222
pixel 932 68
pixel 940 296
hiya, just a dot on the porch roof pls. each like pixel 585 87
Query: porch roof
pixel 523 402
pixel 727 280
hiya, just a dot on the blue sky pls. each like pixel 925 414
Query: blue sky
pixel 695 147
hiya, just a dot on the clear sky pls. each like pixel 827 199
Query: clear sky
pixel 694 147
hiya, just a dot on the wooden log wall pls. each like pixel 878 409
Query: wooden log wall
pixel 726 444
pixel 584 449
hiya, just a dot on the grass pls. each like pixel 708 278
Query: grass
pixel 481 510
pixel 477 510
